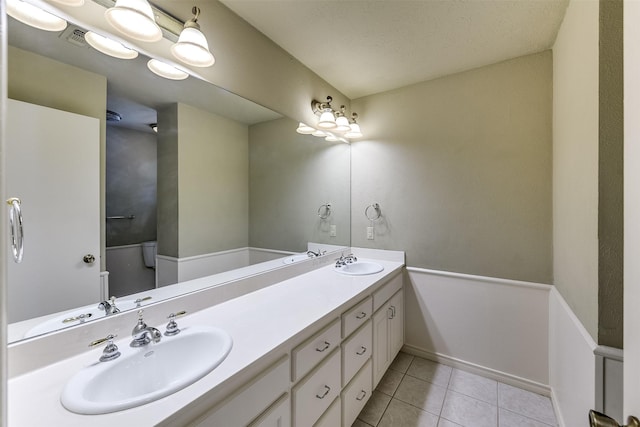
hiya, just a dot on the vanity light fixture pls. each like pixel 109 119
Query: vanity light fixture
pixel 134 18
pixel 319 133
pixel 192 47
pixel 109 47
pixel 165 70
pixel 34 16
pixel 354 132
pixel 342 122
pixel 327 118
pixel 331 138
pixel 305 129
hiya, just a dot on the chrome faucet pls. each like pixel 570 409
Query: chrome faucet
pixel 344 260
pixel 109 307
pixel 313 254
pixel 143 334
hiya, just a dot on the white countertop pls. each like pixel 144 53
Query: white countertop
pixel 263 324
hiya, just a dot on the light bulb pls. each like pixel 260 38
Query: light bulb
pixel 327 120
pixel 134 18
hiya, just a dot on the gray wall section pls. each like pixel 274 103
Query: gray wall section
pixel 291 177
pixel 213 182
pixel 131 185
pixel 168 181
pixel 461 168
pixel 610 176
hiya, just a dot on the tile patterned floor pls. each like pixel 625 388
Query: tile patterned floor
pixel 416 392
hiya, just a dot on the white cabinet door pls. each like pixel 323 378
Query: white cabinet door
pixel 278 415
pixel 388 334
pixel 396 325
pixel 380 343
pixel 53 166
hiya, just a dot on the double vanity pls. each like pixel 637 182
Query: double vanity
pixel 303 351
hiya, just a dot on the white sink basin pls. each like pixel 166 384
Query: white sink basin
pixel 144 374
pixel 295 258
pixel 70 318
pixel 360 268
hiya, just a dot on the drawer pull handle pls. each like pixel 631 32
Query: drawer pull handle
pixel 361 395
pixel 327 389
pixel 390 313
pixel 362 315
pixel 362 351
pixel 326 346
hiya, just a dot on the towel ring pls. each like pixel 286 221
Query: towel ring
pixel 324 211
pixel 372 216
pixel 17 232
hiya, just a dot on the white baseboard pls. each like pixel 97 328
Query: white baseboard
pixel 493 374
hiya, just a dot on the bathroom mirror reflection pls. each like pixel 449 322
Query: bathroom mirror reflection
pixel 225 187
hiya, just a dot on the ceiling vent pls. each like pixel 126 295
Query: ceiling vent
pixel 74 35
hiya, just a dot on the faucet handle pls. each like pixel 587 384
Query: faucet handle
pixel 172 326
pixel 111 351
pixel 139 301
pixel 114 309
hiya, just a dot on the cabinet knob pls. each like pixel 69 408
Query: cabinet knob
pixel 88 259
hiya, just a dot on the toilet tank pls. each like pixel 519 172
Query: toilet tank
pixel 149 253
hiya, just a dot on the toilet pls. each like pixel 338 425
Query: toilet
pixel 149 250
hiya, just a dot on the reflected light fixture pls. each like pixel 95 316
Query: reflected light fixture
pixel 109 47
pixel 134 18
pixel 34 16
pixel 319 133
pixel 304 129
pixel 165 70
pixel 74 3
pixel 192 47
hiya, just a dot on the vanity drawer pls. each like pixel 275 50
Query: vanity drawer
pixel 278 414
pixel 352 319
pixel 311 352
pixel 331 417
pixel 313 395
pixel 250 400
pixel 356 351
pixel 385 292
pixel 356 395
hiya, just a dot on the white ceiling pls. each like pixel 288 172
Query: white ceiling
pixel 363 47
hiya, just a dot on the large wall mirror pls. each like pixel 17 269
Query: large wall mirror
pixel 224 188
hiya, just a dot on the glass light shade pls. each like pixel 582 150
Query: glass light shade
pixel 134 18
pixel 342 124
pixel 304 129
pixel 165 70
pixel 354 132
pixel 331 138
pixel 34 16
pixel 192 48
pixel 109 47
pixel 327 120
pixel 74 3
pixel 319 133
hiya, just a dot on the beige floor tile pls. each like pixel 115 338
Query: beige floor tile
pixel 526 403
pixel 400 414
pixel 401 362
pixel 510 419
pixel 446 423
pixel 375 407
pixel 390 382
pixel 475 386
pixel 469 412
pixel 422 394
pixel 360 423
pixel 427 370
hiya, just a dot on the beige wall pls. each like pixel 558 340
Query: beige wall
pixel 203 169
pixel 575 162
pixel 43 81
pixel 291 176
pixel 461 167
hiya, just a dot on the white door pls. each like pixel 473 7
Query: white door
pixel 632 208
pixel 53 167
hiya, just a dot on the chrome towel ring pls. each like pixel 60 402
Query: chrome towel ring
pixel 373 212
pixel 17 233
pixel 324 211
